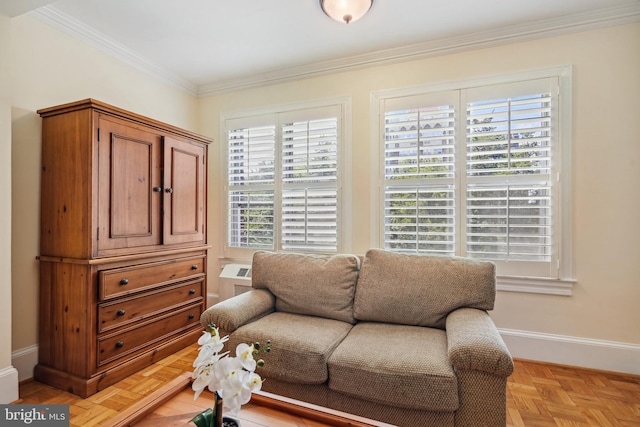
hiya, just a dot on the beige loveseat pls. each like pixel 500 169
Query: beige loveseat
pixel 404 339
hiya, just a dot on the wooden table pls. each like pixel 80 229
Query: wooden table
pixel 173 405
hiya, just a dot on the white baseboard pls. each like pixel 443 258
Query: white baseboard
pixel 573 351
pixel 561 349
pixel 24 361
pixel 9 391
pixel 212 299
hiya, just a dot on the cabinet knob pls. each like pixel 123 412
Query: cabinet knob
pixel 157 189
pixel 194 267
pixel 121 312
pixel 120 344
pixel 124 282
pixel 191 316
pixel 168 190
pixel 192 291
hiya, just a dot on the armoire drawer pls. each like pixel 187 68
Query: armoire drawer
pixel 114 346
pixel 119 282
pixel 127 310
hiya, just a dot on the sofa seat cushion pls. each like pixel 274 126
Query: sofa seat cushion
pixel 397 365
pixel 300 345
pixel 421 290
pixel 315 285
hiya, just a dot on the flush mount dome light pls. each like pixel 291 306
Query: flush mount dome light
pixel 346 10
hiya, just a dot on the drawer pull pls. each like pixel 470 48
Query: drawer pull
pixel 194 267
pixel 121 312
pixel 192 291
pixel 191 316
pixel 124 282
pixel 120 344
pixel 157 189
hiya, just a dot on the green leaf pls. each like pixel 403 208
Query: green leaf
pixel 204 418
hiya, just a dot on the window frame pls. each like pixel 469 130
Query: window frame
pixel 344 175
pixel 560 283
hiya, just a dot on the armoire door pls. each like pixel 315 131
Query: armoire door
pixel 184 192
pixel 129 186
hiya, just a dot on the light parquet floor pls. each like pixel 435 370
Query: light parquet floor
pixel 538 395
pixel 105 404
pixel 541 395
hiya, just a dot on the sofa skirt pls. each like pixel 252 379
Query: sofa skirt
pixel 320 394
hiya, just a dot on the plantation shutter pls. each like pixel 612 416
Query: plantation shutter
pixel 419 171
pixel 283 180
pixel 251 185
pixel 470 172
pixel 508 172
pixel 309 211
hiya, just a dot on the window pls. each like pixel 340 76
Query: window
pixel 283 180
pixel 476 171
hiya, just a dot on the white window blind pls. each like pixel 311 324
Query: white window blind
pixel 309 189
pixel 283 180
pixel 470 171
pixel 508 209
pixel 251 180
pixel 419 167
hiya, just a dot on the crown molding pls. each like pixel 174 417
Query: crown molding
pixel 517 33
pixel 601 18
pixel 60 20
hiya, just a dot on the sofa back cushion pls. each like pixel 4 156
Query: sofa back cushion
pixel 421 290
pixel 316 285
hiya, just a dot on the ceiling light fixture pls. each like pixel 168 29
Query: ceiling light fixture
pixel 346 10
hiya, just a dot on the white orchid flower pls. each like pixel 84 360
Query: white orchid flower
pixel 244 352
pixel 235 390
pixel 205 338
pixel 228 371
pixel 254 382
pixel 202 376
pixel 232 378
pixel 210 346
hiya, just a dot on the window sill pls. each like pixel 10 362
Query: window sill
pixel 536 285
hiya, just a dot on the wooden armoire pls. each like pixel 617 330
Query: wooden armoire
pixel 123 243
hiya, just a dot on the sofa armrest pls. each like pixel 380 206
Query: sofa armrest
pixel 230 314
pixel 475 344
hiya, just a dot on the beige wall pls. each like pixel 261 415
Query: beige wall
pixel 8 374
pixel 50 68
pixel 5 185
pixel 606 167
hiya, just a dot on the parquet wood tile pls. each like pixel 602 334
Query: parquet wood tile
pixel 538 395
pixel 541 394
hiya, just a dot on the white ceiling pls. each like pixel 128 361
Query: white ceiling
pixel 214 45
